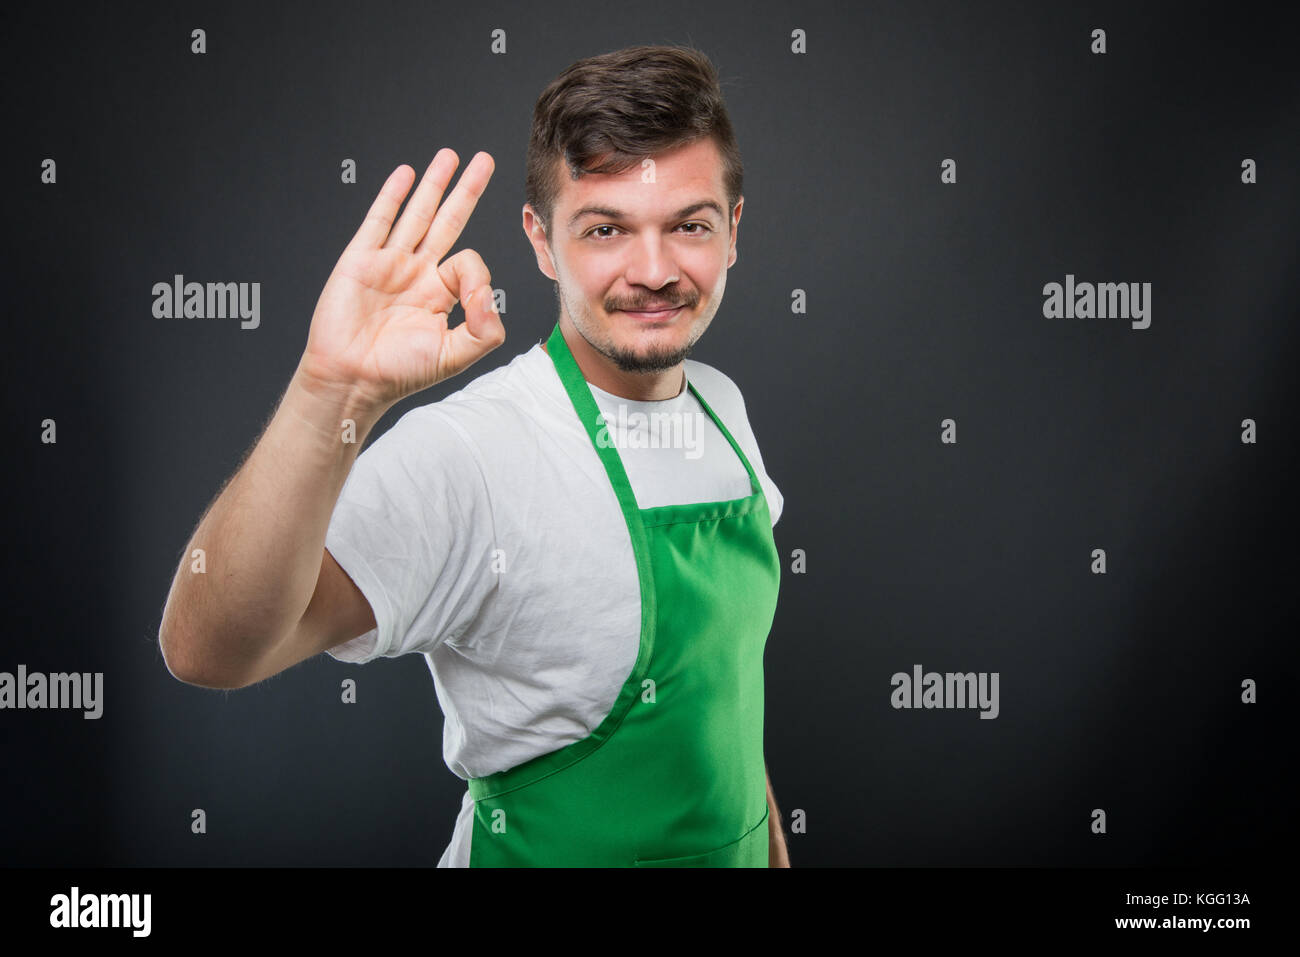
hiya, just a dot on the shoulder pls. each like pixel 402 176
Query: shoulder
pixel 723 395
pixel 495 403
pixel 715 387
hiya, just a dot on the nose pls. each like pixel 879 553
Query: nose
pixel 650 262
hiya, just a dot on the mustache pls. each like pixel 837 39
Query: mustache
pixel 651 305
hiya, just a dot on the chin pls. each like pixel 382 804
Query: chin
pixel 655 351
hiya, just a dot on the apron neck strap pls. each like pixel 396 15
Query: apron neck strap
pixel 575 384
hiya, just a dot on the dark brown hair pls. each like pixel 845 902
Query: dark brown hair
pixel 629 104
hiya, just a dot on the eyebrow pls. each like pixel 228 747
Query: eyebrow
pixel 611 213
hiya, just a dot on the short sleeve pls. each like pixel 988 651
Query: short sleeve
pixel 413 529
pixel 776 501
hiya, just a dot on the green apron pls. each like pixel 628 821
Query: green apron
pixel 674 774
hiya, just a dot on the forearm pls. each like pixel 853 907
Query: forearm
pixel 263 537
pixel 777 853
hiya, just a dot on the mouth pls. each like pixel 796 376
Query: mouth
pixel 653 315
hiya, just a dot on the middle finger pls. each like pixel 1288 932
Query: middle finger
pixel 455 212
pixel 414 222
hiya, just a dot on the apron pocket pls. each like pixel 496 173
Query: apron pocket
pixel 748 850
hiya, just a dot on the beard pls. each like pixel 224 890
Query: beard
pixel 655 359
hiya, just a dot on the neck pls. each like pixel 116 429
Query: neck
pixel 604 374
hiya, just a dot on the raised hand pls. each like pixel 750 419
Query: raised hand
pixel 380 329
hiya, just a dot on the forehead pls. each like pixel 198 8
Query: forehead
pixel 685 173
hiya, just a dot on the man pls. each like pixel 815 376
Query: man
pixel 579 542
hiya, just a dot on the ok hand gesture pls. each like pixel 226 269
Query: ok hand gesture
pixel 380 329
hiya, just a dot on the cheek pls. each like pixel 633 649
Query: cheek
pixel 577 280
pixel 711 273
pixel 595 281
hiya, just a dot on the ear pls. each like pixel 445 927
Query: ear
pixel 541 247
pixel 735 231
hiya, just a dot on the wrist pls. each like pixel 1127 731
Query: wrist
pixel 315 386
pixel 327 404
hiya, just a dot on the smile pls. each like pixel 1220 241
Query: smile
pixel 656 315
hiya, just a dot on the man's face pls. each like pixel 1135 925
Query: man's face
pixel 623 247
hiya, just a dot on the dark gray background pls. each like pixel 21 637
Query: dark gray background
pixel 1118 691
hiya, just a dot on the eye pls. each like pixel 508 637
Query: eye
pixel 692 229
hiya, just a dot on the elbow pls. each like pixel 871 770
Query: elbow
pixel 185 666
pixel 179 665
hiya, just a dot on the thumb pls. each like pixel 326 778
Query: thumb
pixel 482 318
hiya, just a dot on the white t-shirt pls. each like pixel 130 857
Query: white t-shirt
pixel 485 534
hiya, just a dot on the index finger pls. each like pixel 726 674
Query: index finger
pixel 455 211
pixel 379 220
